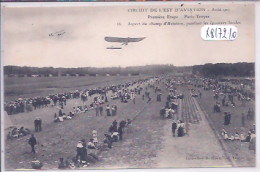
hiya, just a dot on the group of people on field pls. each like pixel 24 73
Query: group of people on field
pixel 28 104
pixel 179 128
pixel 232 93
pixel 87 151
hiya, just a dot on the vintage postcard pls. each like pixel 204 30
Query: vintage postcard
pixel 108 86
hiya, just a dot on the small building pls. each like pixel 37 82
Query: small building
pixel 81 74
pixel 92 74
pixel 35 76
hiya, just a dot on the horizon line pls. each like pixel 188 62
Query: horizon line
pixel 127 66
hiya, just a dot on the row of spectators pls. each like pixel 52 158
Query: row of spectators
pixel 28 104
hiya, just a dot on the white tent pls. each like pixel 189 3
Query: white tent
pixel 7 121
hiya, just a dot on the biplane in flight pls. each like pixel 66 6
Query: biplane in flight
pixel 123 41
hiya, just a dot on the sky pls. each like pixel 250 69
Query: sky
pixel 26 40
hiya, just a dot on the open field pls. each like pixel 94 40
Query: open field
pixel 149 145
pixel 238 150
pixel 27 87
pixel 60 139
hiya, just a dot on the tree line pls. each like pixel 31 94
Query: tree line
pixel 136 70
pixel 225 69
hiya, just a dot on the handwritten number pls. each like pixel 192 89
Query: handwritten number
pixel 220 33
pixel 225 32
pixel 230 33
pixel 207 33
pixel 212 33
pixel 234 35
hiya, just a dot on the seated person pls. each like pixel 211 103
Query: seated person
pixel 237 136
pixel 85 108
pixel 36 164
pixel 22 131
pixel 15 132
pixel 78 110
pixel 115 136
pixel 224 134
pixel 242 137
pixel 56 119
pixel 62 165
pixel 71 114
pixel 68 117
pixel 64 116
pixel 108 140
pixel 248 138
pixel 60 119
pixel 91 144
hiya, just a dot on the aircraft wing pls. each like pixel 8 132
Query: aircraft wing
pixel 118 39
pixel 135 39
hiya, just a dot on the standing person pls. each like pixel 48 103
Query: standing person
pixel 179 129
pixel 162 113
pixel 113 110
pixel 149 99
pixel 115 126
pixel 79 151
pixel 120 132
pixel 243 119
pixel 32 141
pixel 101 109
pixel 97 109
pixel 60 113
pixel 229 118
pixel 226 119
pixel 134 100
pixel 187 126
pixel 223 102
pixel 40 124
pixel 55 116
pixel 36 125
pixel 248 113
pixel 200 94
pixel 84 150
pixel 111 128
pixel 174 126
pixel 108 110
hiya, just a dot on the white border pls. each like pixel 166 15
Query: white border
pixel 75 4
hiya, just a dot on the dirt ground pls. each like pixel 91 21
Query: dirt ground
pixel 239 152
pixel 199 149
pixel 28 87
pixel 149 145
pixel 60 139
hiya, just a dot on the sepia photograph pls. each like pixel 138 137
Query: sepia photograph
pixel 128 86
